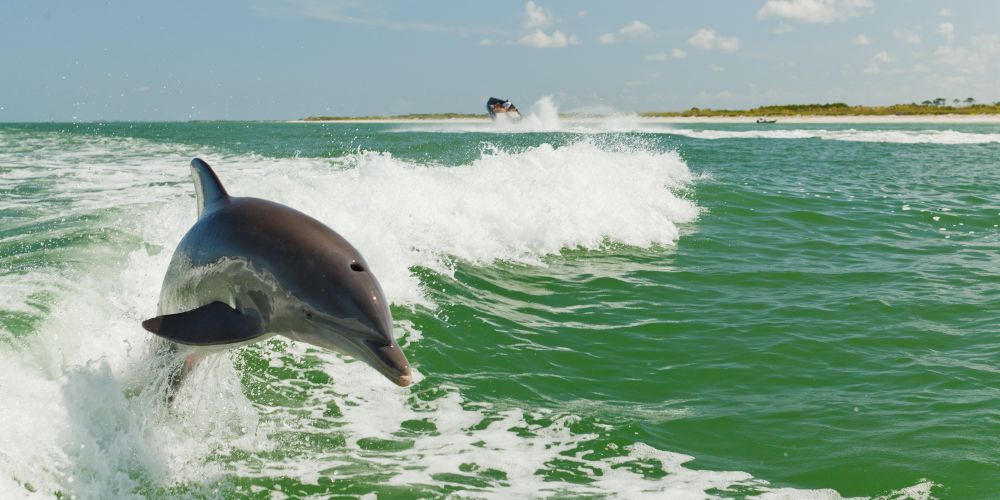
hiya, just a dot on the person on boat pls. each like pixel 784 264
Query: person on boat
pixel 494 106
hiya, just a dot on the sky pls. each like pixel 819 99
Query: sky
pixel 80 60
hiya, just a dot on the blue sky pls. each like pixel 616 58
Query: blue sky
pixel 285 59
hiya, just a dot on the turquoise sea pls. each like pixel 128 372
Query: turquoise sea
pixel 608 308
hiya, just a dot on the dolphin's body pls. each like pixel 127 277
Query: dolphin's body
pixel 250 269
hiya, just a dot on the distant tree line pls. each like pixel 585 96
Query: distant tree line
pixel 941 101
pixel 938 106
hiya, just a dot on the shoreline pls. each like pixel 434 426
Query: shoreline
pixel 802 119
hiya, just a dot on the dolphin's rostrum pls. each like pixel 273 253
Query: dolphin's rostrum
pixel 249 269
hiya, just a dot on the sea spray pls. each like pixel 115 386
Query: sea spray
pixel 543 116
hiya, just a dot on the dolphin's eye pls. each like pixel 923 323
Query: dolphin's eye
pixel 357 267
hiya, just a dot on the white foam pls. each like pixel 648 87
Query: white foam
pixel 503 206
pixel 510 443
pixel 849 135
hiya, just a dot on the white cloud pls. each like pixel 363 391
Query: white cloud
pixel 946 12
pixel 582 13
pixel 535 19
pixel 874 64
pixel 703 39
pixel 535 16
pixel 728 44
pixel 815 11
pixel 716 68
pixel 906 36
pixel 608 39
pixel 707 39
pixel 540 40
pixel 663 56
pixel 487 42
pixel 920 67
pixel 947 30
pixel 635 29
pixel 861 40
pixel 882 57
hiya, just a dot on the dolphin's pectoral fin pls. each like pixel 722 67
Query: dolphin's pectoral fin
pixel 211 324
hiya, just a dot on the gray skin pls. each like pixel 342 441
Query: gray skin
pixel 249 269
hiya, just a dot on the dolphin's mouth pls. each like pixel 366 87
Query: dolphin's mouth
pixel 390 361
pixel 365 344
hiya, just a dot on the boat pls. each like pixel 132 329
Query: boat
pixel 502 108
pixel 761 120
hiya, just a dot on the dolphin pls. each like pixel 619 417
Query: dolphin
pixel 250 269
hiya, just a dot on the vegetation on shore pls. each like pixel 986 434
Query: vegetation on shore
pixel 936 107
pixel 939 106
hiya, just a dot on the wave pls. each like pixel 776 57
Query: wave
pixel 849 135
pixel 512 206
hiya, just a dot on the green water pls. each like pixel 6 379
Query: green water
pixel 824 319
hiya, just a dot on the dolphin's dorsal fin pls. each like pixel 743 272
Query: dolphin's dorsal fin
pixel 207 186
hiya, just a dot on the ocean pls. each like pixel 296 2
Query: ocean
pixel 604 308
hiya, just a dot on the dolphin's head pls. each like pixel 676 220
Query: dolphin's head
pixel 340 306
